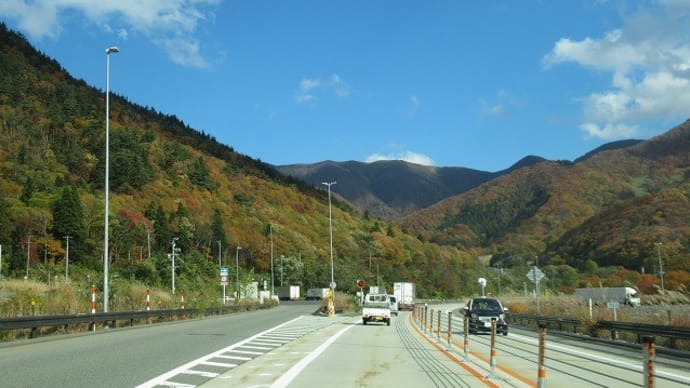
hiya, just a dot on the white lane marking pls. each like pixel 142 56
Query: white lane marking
pixel 256 347
pixel 296 369
pixel 200 373
pixel 176 385
pixel 234 357
pixel 220 364
pixel 159 380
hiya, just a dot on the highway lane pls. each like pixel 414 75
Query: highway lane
pixel 127 357
pixel 347 354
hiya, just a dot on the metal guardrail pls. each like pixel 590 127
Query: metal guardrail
pixel 640 329
pixel 550 321
pixel 673 332
pixel 109 319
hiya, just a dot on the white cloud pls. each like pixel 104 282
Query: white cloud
pixel 308 88
pixel 171 25
pixel 414 102
pixel 649 61
pixel 407 156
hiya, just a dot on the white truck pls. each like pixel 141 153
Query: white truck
pixel 288 292
pixel 623 295
pixel 317 293
pixel 405 293
pixel 376 308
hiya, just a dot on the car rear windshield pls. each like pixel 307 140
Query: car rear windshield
pixel 486 305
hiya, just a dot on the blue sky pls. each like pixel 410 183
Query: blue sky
pixel 476 84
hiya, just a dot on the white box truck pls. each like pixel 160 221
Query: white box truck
pixel 288 292
pixel 317 293
pixel 405 293
pixel 623 295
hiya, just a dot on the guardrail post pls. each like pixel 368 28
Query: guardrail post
pixel 492 360
pixel 541 374
pixel 431 323
pixel 450 332
pixel 438 328
pixel 648 354
pixel 466 329
pixel 426 310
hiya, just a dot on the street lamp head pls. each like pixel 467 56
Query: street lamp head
pixel 112 50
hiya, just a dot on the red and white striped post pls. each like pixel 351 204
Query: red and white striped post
pixel 93 299
pixel 182 299
pixel 148 299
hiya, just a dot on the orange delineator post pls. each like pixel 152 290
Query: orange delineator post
pixel 450 331
pixel 541 375
pixel 466 345
pixel 148 299
pixel 492 361
pixel 182 299
pixel 648 354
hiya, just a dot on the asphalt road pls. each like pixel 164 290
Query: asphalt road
pixel 127 357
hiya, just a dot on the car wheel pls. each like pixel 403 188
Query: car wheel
pixel 505 333
pixel 364 321
pixel 388 322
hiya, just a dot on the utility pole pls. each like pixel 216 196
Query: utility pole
pixel 172 256
pixel 661 264
pixel 237 266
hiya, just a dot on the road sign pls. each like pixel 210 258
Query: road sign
pixel 332 285
pixel 612 305
pixel 535 275
pixel 223 276
pixel 361 283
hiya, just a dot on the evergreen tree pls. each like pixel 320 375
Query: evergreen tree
pixel 68 220
pixel 161 230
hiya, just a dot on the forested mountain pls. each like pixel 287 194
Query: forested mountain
pixel 389 189
pixel 168 181
pixel 608 209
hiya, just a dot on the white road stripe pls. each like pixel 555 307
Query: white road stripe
pixel 296 369
pixel 159 380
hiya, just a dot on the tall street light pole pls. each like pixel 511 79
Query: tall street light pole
pixel 330 227
pixel 661 264
pixel 270 232
pixel 237 269
pixel 108 51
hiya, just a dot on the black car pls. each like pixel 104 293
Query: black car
pixel 481 310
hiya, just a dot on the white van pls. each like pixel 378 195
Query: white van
pixel 394 305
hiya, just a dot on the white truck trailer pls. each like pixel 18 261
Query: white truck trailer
pixel 600 295
pixel 288 292
pixel 405 292
pixel 317 293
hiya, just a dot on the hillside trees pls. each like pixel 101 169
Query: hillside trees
pixel 68 220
